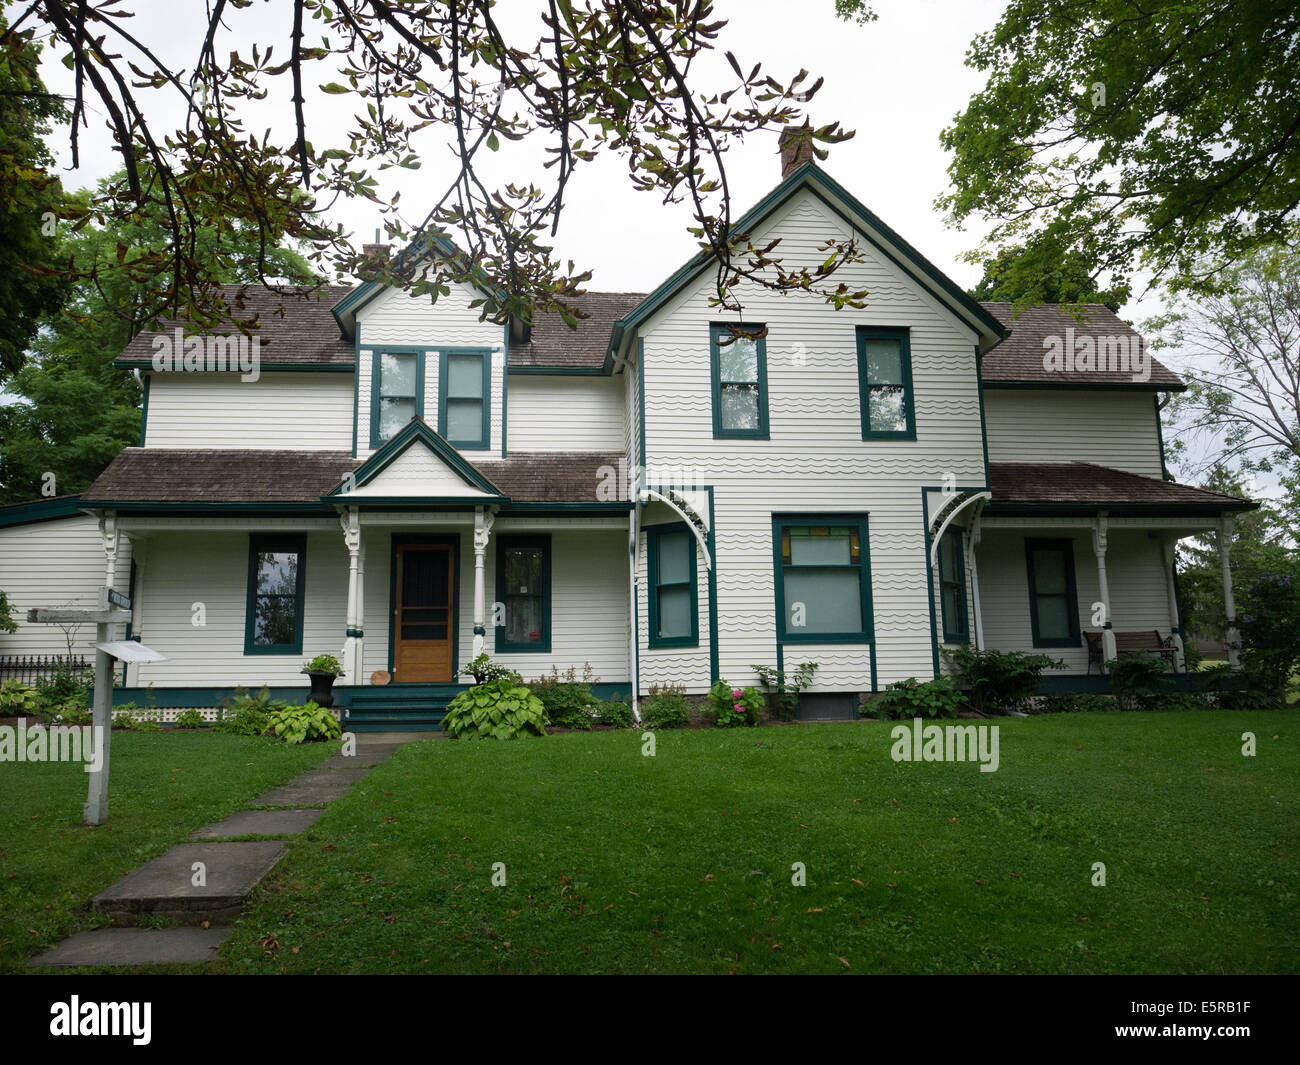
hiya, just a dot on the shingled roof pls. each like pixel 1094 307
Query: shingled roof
pixel 554 343
pixel 1073 485
pixel 293 328
pixel 1019 358
pixel 300 478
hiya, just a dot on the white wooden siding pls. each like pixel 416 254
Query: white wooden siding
pixel 299 411
pixel 1109 428
pixel 398 318
pixel 56 563
pixel 566 413
pixel 816 459
pixel 1139 598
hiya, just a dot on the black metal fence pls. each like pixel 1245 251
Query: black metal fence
pixel 31 668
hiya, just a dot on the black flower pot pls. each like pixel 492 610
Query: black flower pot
pixel 322 688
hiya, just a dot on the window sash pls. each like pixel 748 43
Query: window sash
pixel 526 611
pixel 1061 630
pixel 952 588
pixel 739 385
pixel 393 408
pixel 886 394
pixel 843 612
pixel 272 602
pixel 679 594
pixel 459 404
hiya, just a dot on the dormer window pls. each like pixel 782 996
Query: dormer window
pixel 398 390
pixel 463 398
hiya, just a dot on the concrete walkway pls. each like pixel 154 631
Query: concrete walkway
pixel 203 886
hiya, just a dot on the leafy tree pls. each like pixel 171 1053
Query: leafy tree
pixel 1160 135
pixel 7 622
pixel 1041 273
pixel 29 194
pixel 582 79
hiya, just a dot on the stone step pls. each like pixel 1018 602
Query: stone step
pixel 164 887
pixel 133 946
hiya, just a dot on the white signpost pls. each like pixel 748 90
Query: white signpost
pixel 113 609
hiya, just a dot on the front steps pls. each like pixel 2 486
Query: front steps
pixel 396 707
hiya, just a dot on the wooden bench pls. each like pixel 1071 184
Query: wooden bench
pixel 1149 641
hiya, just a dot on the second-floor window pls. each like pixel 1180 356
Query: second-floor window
pixel 399 392
pixel 463 398
pixel 885 384
pixel 738 354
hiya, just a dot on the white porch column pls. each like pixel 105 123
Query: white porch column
pixel 1231 637
pixel 483 519
pixel 350 521
pixel 1175 621
pixel 1108 650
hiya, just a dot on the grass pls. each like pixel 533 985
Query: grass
pixel 682 862
pixel 162 786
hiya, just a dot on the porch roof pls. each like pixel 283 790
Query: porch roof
pixel 230 478
pixel 1075 487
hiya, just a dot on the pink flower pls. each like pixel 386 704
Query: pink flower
pixel 736 693
pixel 739 709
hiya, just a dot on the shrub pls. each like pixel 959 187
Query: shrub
pixel 1269 620
pixel 913 698
pixel 998 680
pixel 189 719
pixel 1233 689
pixel 483 669
pixel 565 697
pixel 1135 679
pixel 130 716
pixel 498 708
pixel 730 706
pixel 302 724
pixel 247 715
pixel 1179 701
pixel 781 690
pixel 324 664
pixel 666 707
pixel 615 714
pixel 17 699
pixel 62 690
pixel 1074 703
pixel 73 712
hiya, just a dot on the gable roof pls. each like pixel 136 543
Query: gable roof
pixel 855 213
pixel 294 327
pixel 1073 486
pixel 415 432
pixel 1018 359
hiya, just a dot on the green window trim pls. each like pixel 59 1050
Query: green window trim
pixel 377 439
pixel 484 440
pixel 721 331
pixel 952 584
pixel 259 543
pixel 902 335
pixel 654 534
pixel 506 543
pixel 782 561
pixel 1070 595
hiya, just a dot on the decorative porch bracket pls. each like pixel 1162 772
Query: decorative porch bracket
pixel 484 518
pixel 954 509
pixel 678 504
pixel 1109 651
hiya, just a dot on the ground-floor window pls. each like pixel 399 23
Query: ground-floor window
pixel 276 574
pixel 524 590
pixel 670 562
pixel 1053 599
pixel 823 579
pixel 952 587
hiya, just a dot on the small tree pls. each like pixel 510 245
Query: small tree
pixel 7 622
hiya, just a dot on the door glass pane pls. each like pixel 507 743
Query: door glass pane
pixel 393 414
pixel 823 600
pixel 674 612
pixel 465 376
pixel 464 419
pixel 1053 618
pixel 738 361
pixel 884 362
pixel 1049 572
pixel 397 375
pixel 887 409
pixel 424 579
pixel 739 406
pixel 674 558
pixel 820 550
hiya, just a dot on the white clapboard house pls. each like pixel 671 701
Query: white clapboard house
pixel 407 486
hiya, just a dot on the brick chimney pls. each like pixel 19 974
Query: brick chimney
pixel 797 147
pixel 376 251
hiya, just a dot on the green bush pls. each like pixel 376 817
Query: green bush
pixel 63 692
pixel 566 698
pixel 499 708
pixel 666 707
pixel 17 699
pixel 1074 703
pixel 130 716
pixel 189 719
pixel 304 724
pixel 1179 701
pixel 614 714
pixel 781 690
pixel 998 680
pixel 1135 679
pixel 247 715
pixel 730 706
pixel 1269 620
pixel 911 698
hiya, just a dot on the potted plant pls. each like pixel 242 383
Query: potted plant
pixel 323 670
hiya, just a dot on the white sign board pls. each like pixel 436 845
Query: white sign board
pixel 130 651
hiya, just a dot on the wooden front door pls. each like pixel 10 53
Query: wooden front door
pixel 424 612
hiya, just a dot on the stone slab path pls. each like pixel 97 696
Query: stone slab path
pixel 204 885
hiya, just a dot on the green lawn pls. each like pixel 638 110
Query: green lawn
pixel 162 786
pixel 617 862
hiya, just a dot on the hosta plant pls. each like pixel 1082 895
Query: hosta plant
pixel 300 724
pixel 499 708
